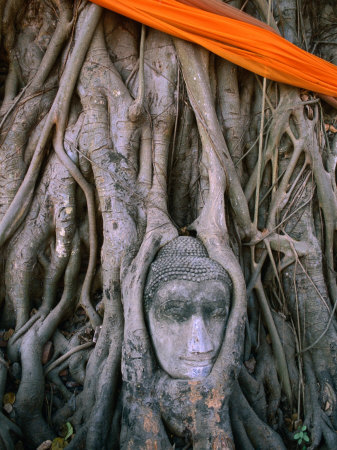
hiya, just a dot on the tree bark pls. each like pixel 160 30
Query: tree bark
pixel 115 139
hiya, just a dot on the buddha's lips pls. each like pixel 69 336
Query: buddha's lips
pixel 200 361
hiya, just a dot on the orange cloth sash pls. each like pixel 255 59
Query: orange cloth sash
pixel 235 36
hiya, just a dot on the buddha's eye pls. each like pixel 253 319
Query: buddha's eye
pixel 176 311
pixel 216 312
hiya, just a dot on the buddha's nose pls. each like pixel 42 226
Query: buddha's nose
pixel 200 341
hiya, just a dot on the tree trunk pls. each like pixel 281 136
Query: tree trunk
pixel 115 140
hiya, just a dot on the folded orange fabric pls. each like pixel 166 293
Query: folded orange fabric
pixel 253 45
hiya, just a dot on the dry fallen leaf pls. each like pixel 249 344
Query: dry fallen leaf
pixel 289 424
pixel 58 444
pixel 9 398
pixel 329 127
pixel 8 334
pixel 327 406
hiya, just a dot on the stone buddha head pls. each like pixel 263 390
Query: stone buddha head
pixel 187 300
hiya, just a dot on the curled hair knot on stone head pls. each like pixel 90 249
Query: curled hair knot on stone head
pixel 184 258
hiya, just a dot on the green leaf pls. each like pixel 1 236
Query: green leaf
pixel 70 431
pixel 306 438
pixel 297 436
pixel 300 441
pixel 301 434
pixel 304 428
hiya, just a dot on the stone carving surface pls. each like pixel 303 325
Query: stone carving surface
pixel 187 300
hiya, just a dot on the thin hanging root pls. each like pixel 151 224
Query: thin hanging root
pixel 64 357
pixel 328 204
pixel 272 260
pixel 66 304
pixel 48 323
pixel 299 190
pixel 281 192
pixel 296 255
pixel 202 100
pixel 21 331
pixel 89 194
pixel 332 313
pixel 60 35
pixel 29 398
pixel 256 273
pixel 14 104
pixel 57 116
pixel 276 342
pixel 279 124
pixel 270 105
pixel 264 8
pixel 54 198
pixel 259 161
pixel 302 247
pixel 8 17
pixel 136 109
pixel 133 72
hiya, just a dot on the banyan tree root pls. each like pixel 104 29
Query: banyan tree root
pixel 145 135
pixel 52 213
pixel 30 396
pixel 249 430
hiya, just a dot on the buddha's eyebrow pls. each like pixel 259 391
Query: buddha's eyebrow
pixel 179 300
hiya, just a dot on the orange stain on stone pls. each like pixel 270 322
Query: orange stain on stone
pixel 150 425
pixel 195 394
pixel 223 442
pixel 214 400
pixel 151 445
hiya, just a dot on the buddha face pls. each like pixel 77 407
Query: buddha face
pixel 187 321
